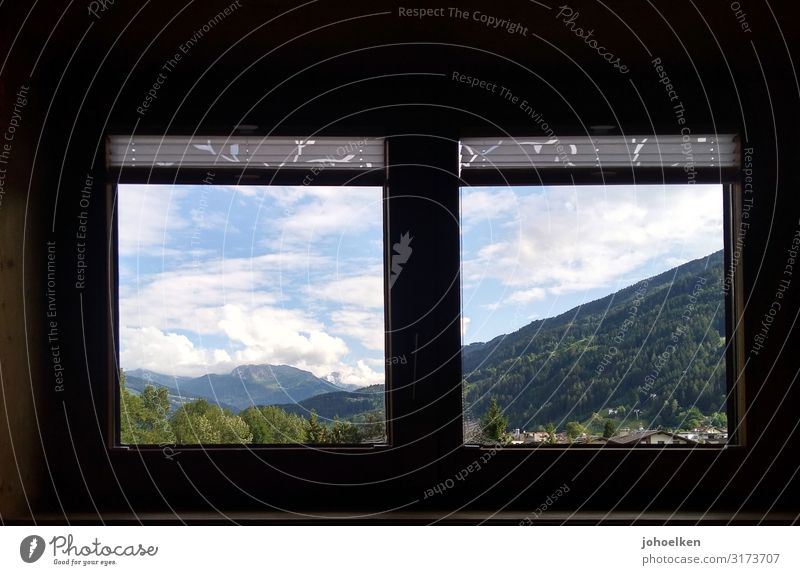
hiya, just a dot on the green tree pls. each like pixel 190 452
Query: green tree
pixel 343 432
pixel 550 429
pixel 200 422
pixel 494 423
pixel 719 420
pixel 609 428
pixel 315 431
pixel 371 427
pixel 144 418
pixel 270 424
pixel 575 430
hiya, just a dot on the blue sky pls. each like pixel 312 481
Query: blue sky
pixel 534 252
pixel 212 277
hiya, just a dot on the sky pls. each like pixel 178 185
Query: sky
pixel 213 277
pixel 534 252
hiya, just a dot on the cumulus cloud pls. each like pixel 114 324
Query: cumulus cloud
pixel 311 213
pixel 360 290
pixel 148 214
pixel 314 300
pixel 169 353
pixel 565 239
pixel 367 327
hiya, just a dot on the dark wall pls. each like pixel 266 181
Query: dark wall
pixel 351 68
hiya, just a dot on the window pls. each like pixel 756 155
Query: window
pixel 595 314
pixel 250 314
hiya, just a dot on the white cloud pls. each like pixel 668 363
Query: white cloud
pixel 169 353
pixel 191 296
pixel 276 335
pixel 566 239
pixel 316 212
pixel 147 215
pixel 367 327
pixel 479 204
pixel 362 290
pixel 270 308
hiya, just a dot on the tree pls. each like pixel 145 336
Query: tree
pixel 315 431
pixel 371 427
pixel 144 418
pixel 575 430
pixel 271 424
pixel 343 432
pixel 551 433
pixel 494 423
pixel 719 420
pixel 200 422
pixel 609 429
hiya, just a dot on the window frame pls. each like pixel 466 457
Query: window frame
pixel 425 422
pixel 729 179
pixel 238 175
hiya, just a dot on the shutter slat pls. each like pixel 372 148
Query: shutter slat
pixel 720 150
pixel 244 151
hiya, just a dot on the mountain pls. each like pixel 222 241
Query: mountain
pixel 157 378
pixel 246 385
pixel 656 344
pixel 657 347
pixel 341 404
pixel 137 383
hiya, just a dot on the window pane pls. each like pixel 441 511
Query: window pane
pixel 594 314
pixel 251 314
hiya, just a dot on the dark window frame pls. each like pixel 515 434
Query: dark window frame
pixel 728 179
pixel 424 398
pixel 239 175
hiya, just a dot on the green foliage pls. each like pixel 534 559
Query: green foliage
pixel 143 418
pixel 315 432
pixel 551 433
pixel 647 344
pixel 342 404
pixel 270 424
pixel 343 432
pixel 202 423
pixel 575 430
pixel 494 424
pixel 609 428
